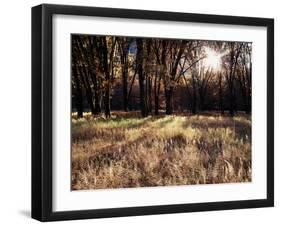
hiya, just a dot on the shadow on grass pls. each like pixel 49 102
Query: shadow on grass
pixel 121 121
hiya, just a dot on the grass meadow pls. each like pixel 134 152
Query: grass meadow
pixel 128 151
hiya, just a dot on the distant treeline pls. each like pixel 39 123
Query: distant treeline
pixel 153 75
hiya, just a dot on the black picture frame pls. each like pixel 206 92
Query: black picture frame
pixel 42 111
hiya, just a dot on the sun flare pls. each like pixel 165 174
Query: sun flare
pixel 212 59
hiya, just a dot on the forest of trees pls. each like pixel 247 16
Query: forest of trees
pixel 159 76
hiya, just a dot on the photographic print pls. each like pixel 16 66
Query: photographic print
pixel 159 112
pixel 139 112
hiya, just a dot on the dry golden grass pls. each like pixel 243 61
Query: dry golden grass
pixel 127 151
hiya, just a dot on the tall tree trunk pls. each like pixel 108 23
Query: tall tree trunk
pixel 96 94
pixel 123 46
pixel 231 100
pixel 157 86
pixel 243 90
pixel 166 78
pixel 194 102
pixel 234 99
pixel 149 102
pixel 125 85
pixel 148 71
pixel 131 87
pixel 249 105
pixel 156 98
pixel 221 94
pixel 233 63
pixel 169 101
pixel 107 97
pixel 194 94
pixel 106 69
pixel 249 88
pixel 78 96
pixel 141 76
pixel 85 80
pixel 202 101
